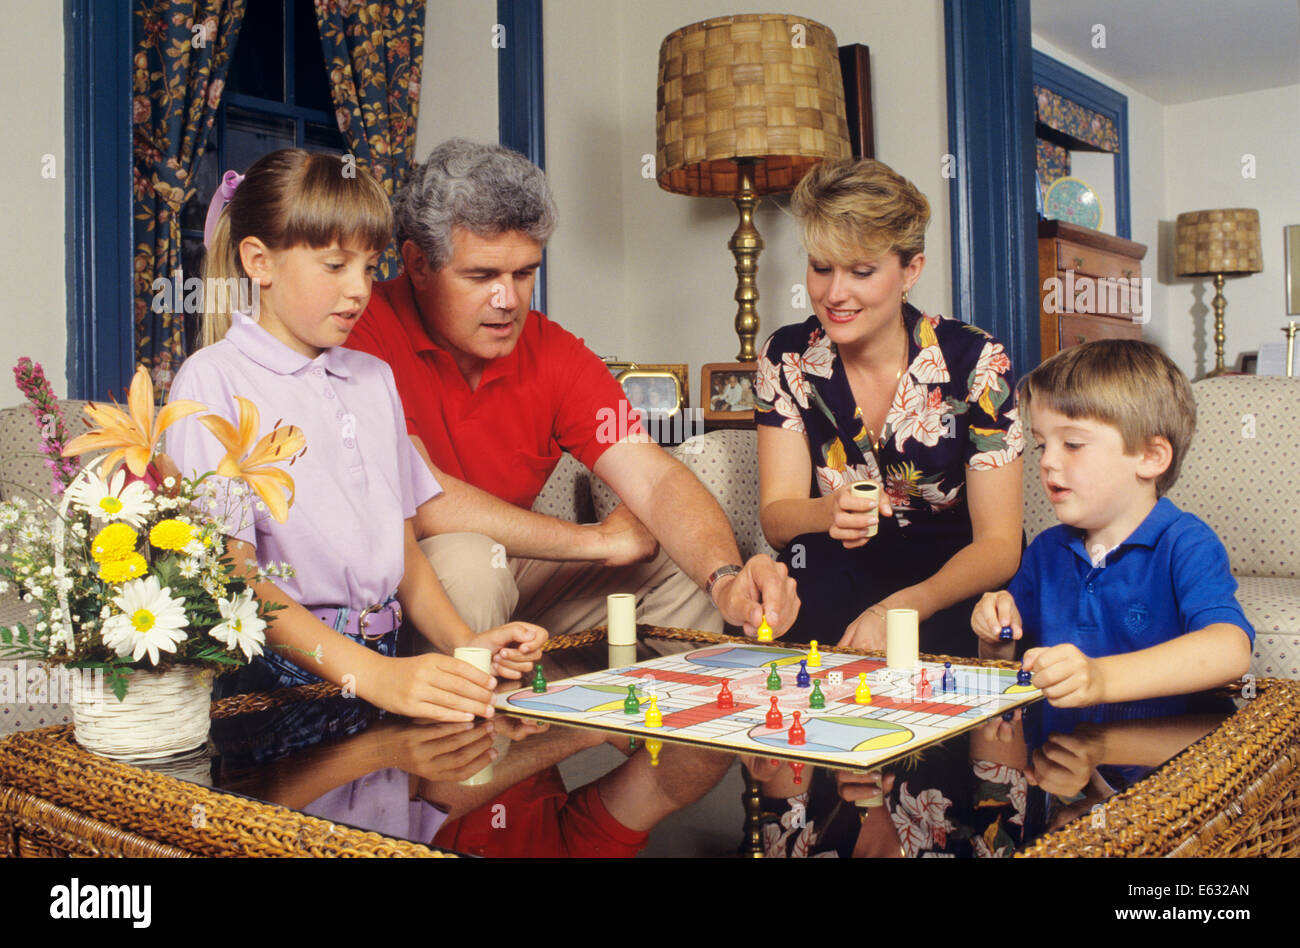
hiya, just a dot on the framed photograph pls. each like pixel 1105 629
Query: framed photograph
pixel 727 393
pixel 652 391
pixel 677 369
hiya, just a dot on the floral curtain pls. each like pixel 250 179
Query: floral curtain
pixel 182 55
pixel 373 53
pixel 1075 122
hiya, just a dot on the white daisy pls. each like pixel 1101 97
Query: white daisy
pixel 242 626
pixel 114 499
pixel 150 620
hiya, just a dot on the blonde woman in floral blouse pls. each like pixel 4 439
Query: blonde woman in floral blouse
pixel 870 388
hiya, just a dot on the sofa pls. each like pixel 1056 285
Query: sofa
pixel 1242 476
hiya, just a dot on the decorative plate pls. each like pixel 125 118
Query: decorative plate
pixel 1073 201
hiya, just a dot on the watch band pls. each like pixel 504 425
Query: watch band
pixel 731 569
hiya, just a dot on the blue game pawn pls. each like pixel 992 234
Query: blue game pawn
pixel 630 704
pixel 774 679
pixel 1025 678
pixel 1006 634
pixel 949 680
pixel 803 679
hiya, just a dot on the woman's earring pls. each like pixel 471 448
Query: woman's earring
pixel 905 296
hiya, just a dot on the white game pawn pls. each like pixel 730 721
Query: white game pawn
pixel 835 678
pixel 650 686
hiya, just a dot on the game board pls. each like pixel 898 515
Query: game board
pixel 896 722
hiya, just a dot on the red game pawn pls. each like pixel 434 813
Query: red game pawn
pixel 923 689
pixel 796 731
pixel 774 718
pixel 725 700
pixel 796 767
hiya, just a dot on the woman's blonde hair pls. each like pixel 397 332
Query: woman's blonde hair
pixel 856 209
pixel 291 198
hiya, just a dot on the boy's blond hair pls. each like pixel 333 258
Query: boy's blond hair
pixel 1122 382
pixel 850 210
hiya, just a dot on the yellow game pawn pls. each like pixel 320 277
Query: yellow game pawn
pixel 653 717
pixel 814 656
pixel 764 631
pixel 863 693
pixel 654 746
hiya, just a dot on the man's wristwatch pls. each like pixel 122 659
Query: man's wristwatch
pixel 731 569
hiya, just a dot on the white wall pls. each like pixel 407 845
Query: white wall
pixel 1147 173
pixel 458 95
pixel 33 304
pixel 645 274
pixel 1212 139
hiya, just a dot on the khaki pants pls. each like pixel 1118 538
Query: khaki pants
pixel 489 589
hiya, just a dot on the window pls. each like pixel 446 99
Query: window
pixel 277 95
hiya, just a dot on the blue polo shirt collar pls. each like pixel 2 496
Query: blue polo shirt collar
pixel 260 346
pixel 1147 534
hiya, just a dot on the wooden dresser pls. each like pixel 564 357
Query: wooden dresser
pixel 1089 286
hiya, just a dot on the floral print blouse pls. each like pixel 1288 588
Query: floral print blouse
pixel 954 408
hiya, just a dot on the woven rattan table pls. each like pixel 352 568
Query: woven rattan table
pixel 1234 792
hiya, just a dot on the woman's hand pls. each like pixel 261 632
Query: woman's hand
pixel 853 518
pixel 866 631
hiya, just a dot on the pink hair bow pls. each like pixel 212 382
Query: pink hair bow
pixel 230 182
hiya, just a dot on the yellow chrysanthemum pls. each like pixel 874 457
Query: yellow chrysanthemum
pixel 116 541
pixel 171 534
pixel 131 566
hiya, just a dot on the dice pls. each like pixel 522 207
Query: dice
pixel 835 678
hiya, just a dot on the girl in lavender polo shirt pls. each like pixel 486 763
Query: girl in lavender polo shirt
pixel 306 233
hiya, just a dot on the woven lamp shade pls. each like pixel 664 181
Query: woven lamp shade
pixel 765 87
pixel 1213 242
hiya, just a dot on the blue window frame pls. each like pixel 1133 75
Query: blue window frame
pixel 520 110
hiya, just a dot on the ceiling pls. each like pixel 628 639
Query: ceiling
pixel 1180 50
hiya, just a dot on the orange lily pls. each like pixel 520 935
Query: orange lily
pixel 133 434
pixel 254 467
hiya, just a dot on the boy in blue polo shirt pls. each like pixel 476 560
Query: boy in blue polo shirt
pixel 1129 597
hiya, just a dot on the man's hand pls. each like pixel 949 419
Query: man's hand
pixel 763 588
pixel 625 539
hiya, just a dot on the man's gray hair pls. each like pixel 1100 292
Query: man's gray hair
pixel 486 189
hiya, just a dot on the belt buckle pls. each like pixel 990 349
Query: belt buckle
pixel 363 620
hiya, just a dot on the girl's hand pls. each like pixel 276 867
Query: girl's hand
pixel 516 647
pixel 854 518
pixel 436 688
pixel 443 751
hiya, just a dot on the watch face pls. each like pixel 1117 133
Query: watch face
pixel 1073 201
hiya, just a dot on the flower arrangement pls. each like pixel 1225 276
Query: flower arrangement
pixel 131 571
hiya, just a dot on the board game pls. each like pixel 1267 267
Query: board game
pixel 905 713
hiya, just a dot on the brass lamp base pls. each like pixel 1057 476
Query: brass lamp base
pixel 745 246
pixel 1220 304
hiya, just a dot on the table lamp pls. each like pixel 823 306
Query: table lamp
pixel 746 105
pixel 1218 244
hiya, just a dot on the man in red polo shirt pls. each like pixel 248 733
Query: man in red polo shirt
pixel 494 393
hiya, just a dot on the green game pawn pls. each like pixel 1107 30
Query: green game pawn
pixel 630 704
pixel 539 680
pixel 817 700
pixel 774 679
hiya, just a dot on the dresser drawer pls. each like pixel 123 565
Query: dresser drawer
pixel 1079 293
pixel 1094 262
pixel 1074 330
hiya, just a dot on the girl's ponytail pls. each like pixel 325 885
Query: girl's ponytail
pixel 221 270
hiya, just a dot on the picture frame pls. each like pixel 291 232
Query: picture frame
pixel 727 393
pixel 679 370
pixel 653 391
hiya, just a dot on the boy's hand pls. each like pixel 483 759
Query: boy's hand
pixel 855 786
pixel 1067 677
pixel 515 646
pixel 994 612
pixel 852 516
pixel 435 688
